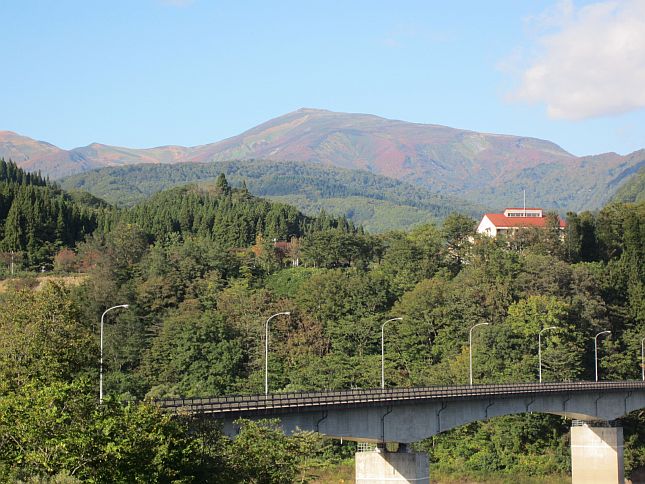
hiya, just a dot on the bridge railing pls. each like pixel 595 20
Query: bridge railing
pixel 360 397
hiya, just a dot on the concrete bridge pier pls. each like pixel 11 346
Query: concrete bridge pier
pixel 597 453
pixel 381 466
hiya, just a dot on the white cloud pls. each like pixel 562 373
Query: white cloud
pixel 590 60
pixel 554 17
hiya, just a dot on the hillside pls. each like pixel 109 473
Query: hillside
pixel 33 156
pixel 37 218
pixel 633 191
pixel 490 169
pixel 375 202
pixel 485 168
pixel 231 217
pixel 431 155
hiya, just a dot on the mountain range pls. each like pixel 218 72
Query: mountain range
pixel 488 169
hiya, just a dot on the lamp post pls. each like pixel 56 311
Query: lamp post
pixel 266 350
pixel 470 346
pixel 595 348
pixel 383 349
pixel 643 358
pixel 101 368
pixel 540 349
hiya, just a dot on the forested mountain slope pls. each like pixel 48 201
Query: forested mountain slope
pixel 633 190
pixel 229 217
pixel 37 218
pixel 491 169
pixel 378 203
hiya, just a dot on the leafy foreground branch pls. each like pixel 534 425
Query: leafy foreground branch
pixel 53 430
pixel 58 433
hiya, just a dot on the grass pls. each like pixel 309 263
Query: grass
pixel 339 474
pixel 495 479
pixel 344 473
pixel 36 281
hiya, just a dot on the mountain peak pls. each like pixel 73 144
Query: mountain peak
pixel 5 135
pixel 312 110
pixel 447 160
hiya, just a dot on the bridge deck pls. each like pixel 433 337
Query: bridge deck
pixel 307 401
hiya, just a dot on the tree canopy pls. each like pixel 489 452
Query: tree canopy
pixel 203 267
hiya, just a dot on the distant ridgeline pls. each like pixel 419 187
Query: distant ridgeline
pixel 376 202
pixel 37 218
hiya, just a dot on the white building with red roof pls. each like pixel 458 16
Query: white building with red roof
pixel 513 219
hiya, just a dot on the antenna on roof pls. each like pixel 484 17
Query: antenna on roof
pixel 524 212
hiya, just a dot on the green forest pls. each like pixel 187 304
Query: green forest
pixel 633 191
pixel 203 266
pixel 376 202
pixel 37 218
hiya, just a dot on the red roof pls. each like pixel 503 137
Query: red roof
pixel 500 221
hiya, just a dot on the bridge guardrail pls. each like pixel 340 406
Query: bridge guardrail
pixel 232 404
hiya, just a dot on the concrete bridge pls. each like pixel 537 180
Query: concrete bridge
pixel 406 415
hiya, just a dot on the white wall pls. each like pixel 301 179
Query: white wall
pixel 487 227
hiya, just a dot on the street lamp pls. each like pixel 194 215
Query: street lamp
pixel 643 358
pixel 596 350
pixel 266 350
pixel 540 349
pixel 383 350
pixel 101 369
pixel 470 345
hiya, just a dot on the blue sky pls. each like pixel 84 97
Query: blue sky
pixel 143 73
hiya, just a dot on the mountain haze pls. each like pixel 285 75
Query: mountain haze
pixel 491 169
